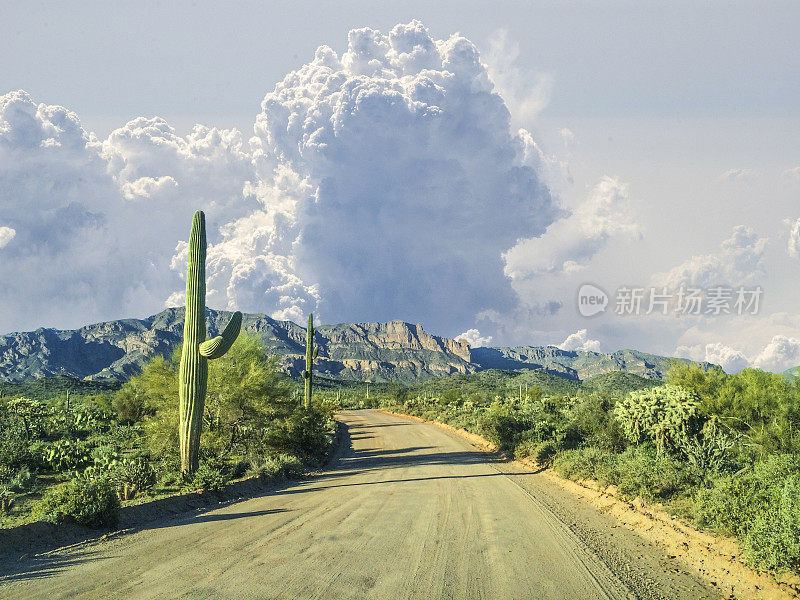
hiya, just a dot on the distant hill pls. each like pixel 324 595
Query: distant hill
pixel 393 351
pixel 575 364
pixel 507 383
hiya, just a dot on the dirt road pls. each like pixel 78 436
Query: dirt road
pixel 408 511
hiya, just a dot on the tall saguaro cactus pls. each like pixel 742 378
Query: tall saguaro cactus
pixel 312 351
pixel 196 351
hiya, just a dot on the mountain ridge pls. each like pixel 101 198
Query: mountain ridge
pixel 391 351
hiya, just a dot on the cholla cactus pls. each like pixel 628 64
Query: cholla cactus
pixel 663 414
pixel 196 351
pixel 312 351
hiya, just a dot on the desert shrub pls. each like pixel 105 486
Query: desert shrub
pixel 134 476
pixel 210 476
pixel 591 422
pixel 639 471
pixel 122 436
pixel 16 480
pixel 302 434
pixel 279 466
pixel 66 454
pixel 707 452
pixel 90 501
pixel 503 425
pixel 14 448
pixel 735 501
pixel 644 473
pixel 586 463
pixel 664 415
pixel 130 403
pixel 7 499
pixel 773 540
pixel 542 452
pixel 759 506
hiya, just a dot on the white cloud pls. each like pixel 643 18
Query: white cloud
pixel 413 183
pixel 730 359
pixel 474 338
pixel 526 93
pixel 570 243
pixel 738 175
pixel 580 341
pixel 568 138
pixel 6 235
pixel 793 173
pixel 793 245
pixel 383 183
pixel 779 354
pixel 738 262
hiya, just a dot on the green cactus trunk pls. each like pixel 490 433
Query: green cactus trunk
pixel 312 351
pixel 196 351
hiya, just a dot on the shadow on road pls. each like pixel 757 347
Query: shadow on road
pixel 46 548
pixel 45 565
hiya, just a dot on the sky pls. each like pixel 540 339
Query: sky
pixel 468 166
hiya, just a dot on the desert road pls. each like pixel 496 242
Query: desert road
pixel 408 510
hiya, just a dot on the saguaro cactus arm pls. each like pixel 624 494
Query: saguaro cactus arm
pixel 218 346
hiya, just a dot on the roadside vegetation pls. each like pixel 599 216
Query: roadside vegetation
pixel 720 450
pixel 80 456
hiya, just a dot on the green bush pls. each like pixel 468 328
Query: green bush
pixel 16 480
pixel 134 476
pixel 636 472
pixel 130 404
pixel 302 434
pixel 210 477
pixel 542 452
pixel 502 425
pixel 591 422
pixel 90 501
pixel 773 541
pixel 760 507
pixel 7 499
pixel 67 454
pixel 586 463
pixel 664 415
pixel 14 449
pixel 644 473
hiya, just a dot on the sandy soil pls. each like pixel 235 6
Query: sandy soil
pixel 409 510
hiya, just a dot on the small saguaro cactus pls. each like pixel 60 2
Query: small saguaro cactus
pixel 312 351
pixel 196 351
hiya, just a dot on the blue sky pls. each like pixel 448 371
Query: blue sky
pixel 651 132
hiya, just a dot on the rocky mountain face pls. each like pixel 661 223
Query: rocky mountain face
pixel 394 351
pixel 118 349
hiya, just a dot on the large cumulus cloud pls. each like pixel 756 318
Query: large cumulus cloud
pixel 415 183
pixel 385 182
